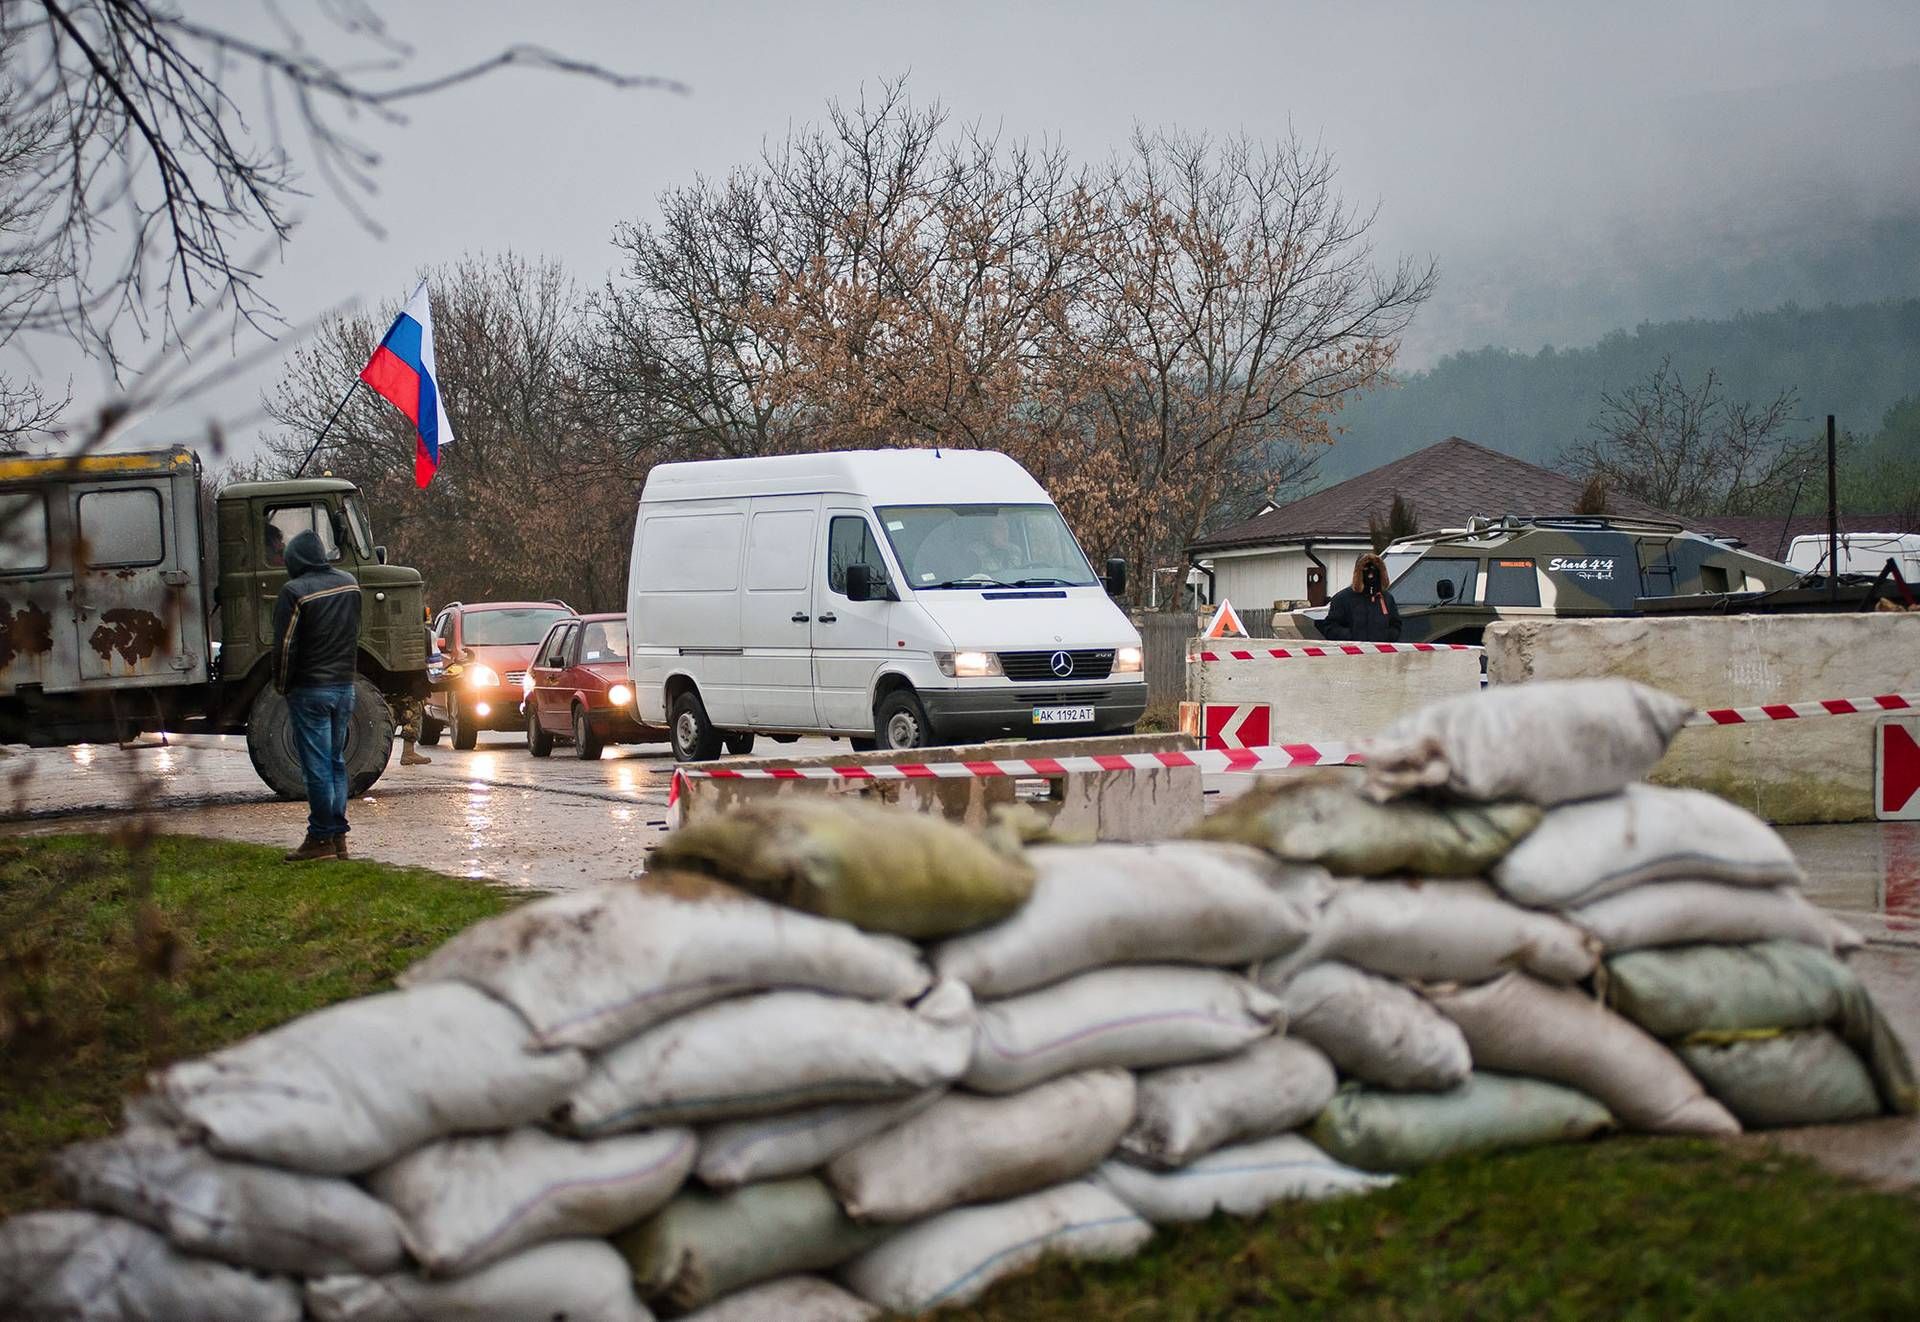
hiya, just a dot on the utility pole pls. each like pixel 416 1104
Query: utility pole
pixel 1833 515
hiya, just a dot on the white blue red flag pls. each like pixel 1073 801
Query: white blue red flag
pixel 401 372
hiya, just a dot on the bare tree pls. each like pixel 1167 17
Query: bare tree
pixel 1690 449
pixel 1158 341
pixel 151 191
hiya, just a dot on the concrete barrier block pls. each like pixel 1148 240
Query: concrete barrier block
pixel 1330 699
pixel 1816 770
pixel 1151 804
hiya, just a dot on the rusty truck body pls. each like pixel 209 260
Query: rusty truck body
pixel 123 608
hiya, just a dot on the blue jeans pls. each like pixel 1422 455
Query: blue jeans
pixel 320 718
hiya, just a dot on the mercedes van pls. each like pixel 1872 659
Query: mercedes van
pixel 896 598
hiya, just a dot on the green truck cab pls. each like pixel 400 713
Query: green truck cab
pixel 121 611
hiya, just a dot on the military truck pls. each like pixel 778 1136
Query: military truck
pixel 1450 585
pixel 121 611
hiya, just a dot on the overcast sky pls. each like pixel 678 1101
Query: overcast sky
pixel 1495 136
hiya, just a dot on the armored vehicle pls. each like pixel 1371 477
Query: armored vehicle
pixel 122 609
pixel 1450 585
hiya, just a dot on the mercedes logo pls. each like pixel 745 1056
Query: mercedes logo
pixel 1062 664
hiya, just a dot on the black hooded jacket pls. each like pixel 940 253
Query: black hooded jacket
pixel 1358 616
pixel 316 621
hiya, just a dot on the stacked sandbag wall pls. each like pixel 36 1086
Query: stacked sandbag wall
pixel 916 1059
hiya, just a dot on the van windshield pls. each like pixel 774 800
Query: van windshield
pixel 975 546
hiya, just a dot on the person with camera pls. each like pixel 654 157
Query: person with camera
pixel 1365 612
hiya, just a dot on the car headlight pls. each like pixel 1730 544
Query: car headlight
pixel 1128 661
pixel 482 677
pixel 526 685
pixel 620 695
pixel 967 664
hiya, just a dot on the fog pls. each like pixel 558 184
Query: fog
pixel 1572 168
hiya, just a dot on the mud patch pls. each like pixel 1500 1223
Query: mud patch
pixel 134 634
pixel 26 632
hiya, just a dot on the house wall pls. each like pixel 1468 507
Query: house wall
pixel 1257 580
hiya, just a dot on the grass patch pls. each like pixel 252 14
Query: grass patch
pixel 118 955
pixel 1628 1227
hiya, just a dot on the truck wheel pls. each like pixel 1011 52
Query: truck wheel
pixel 739 742
pixel 587 745
pixel 694 738
pixel 901 722
pixel 464 733
pixel 369 741
pixel 429 731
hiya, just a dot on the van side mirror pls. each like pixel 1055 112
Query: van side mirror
pixel 1116 576
pixel 380 555
pixel 1444 589
pixel 859 582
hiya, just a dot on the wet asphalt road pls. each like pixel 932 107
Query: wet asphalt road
pixel 556 823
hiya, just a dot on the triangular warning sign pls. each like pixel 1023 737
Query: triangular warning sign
pixel 1225 622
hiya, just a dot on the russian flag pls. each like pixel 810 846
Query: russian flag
pixel 401 372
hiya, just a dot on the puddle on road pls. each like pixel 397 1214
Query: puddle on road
pixel 1863 867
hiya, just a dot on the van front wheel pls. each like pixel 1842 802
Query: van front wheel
pixel 901 722
pixel 694 738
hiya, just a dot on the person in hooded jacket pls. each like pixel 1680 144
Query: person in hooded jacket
pixel 1365 612
pixel 316 640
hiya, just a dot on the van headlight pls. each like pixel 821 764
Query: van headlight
pixel 620 695
pixel 482 677
pixel 1128 661
pixel 967 665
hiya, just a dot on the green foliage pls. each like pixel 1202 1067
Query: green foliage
pixel 116 959
pixel 1402 520
pixel 1854 361
pixel 1639 1228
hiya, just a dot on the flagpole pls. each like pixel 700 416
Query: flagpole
pixel 329 427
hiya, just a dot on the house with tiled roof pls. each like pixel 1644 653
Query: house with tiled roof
pixel 1305 551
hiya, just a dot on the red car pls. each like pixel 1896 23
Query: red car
pixel 487 645
pixel 577 689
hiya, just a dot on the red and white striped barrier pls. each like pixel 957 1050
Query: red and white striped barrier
pixel 1268 758
pixel 1327 649
pixel 1796 711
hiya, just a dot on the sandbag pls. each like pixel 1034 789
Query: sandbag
pixel 1390 1131
pixel 789 1299
pixel 79 1267
pixel 967 1149
pixel 1441 931
pixel 703 1245
pixel 1277 1084
pixel 578 1280
pixel 238 1212
pixel 740 1152
pixel 1549 742
pixel 1099 905
pixel 1671 913
pixel 1323 817
pixel 1133 1017
pixel 779 1051
pixel 1806 1076
pixel 952 1258
pixel 1521 1026
pixel 1243 1180
pixel 1373 1029
pixel 466 1202
pixel 1586 851
pixel 883 869
pixel 352 1086
pixel 1691 990
pixel 594 967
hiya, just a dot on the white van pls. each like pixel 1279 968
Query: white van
pixel 898 598
pixel 1860 553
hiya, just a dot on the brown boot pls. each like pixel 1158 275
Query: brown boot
pixel 410 758
pixel 314 846
pixel 339 846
